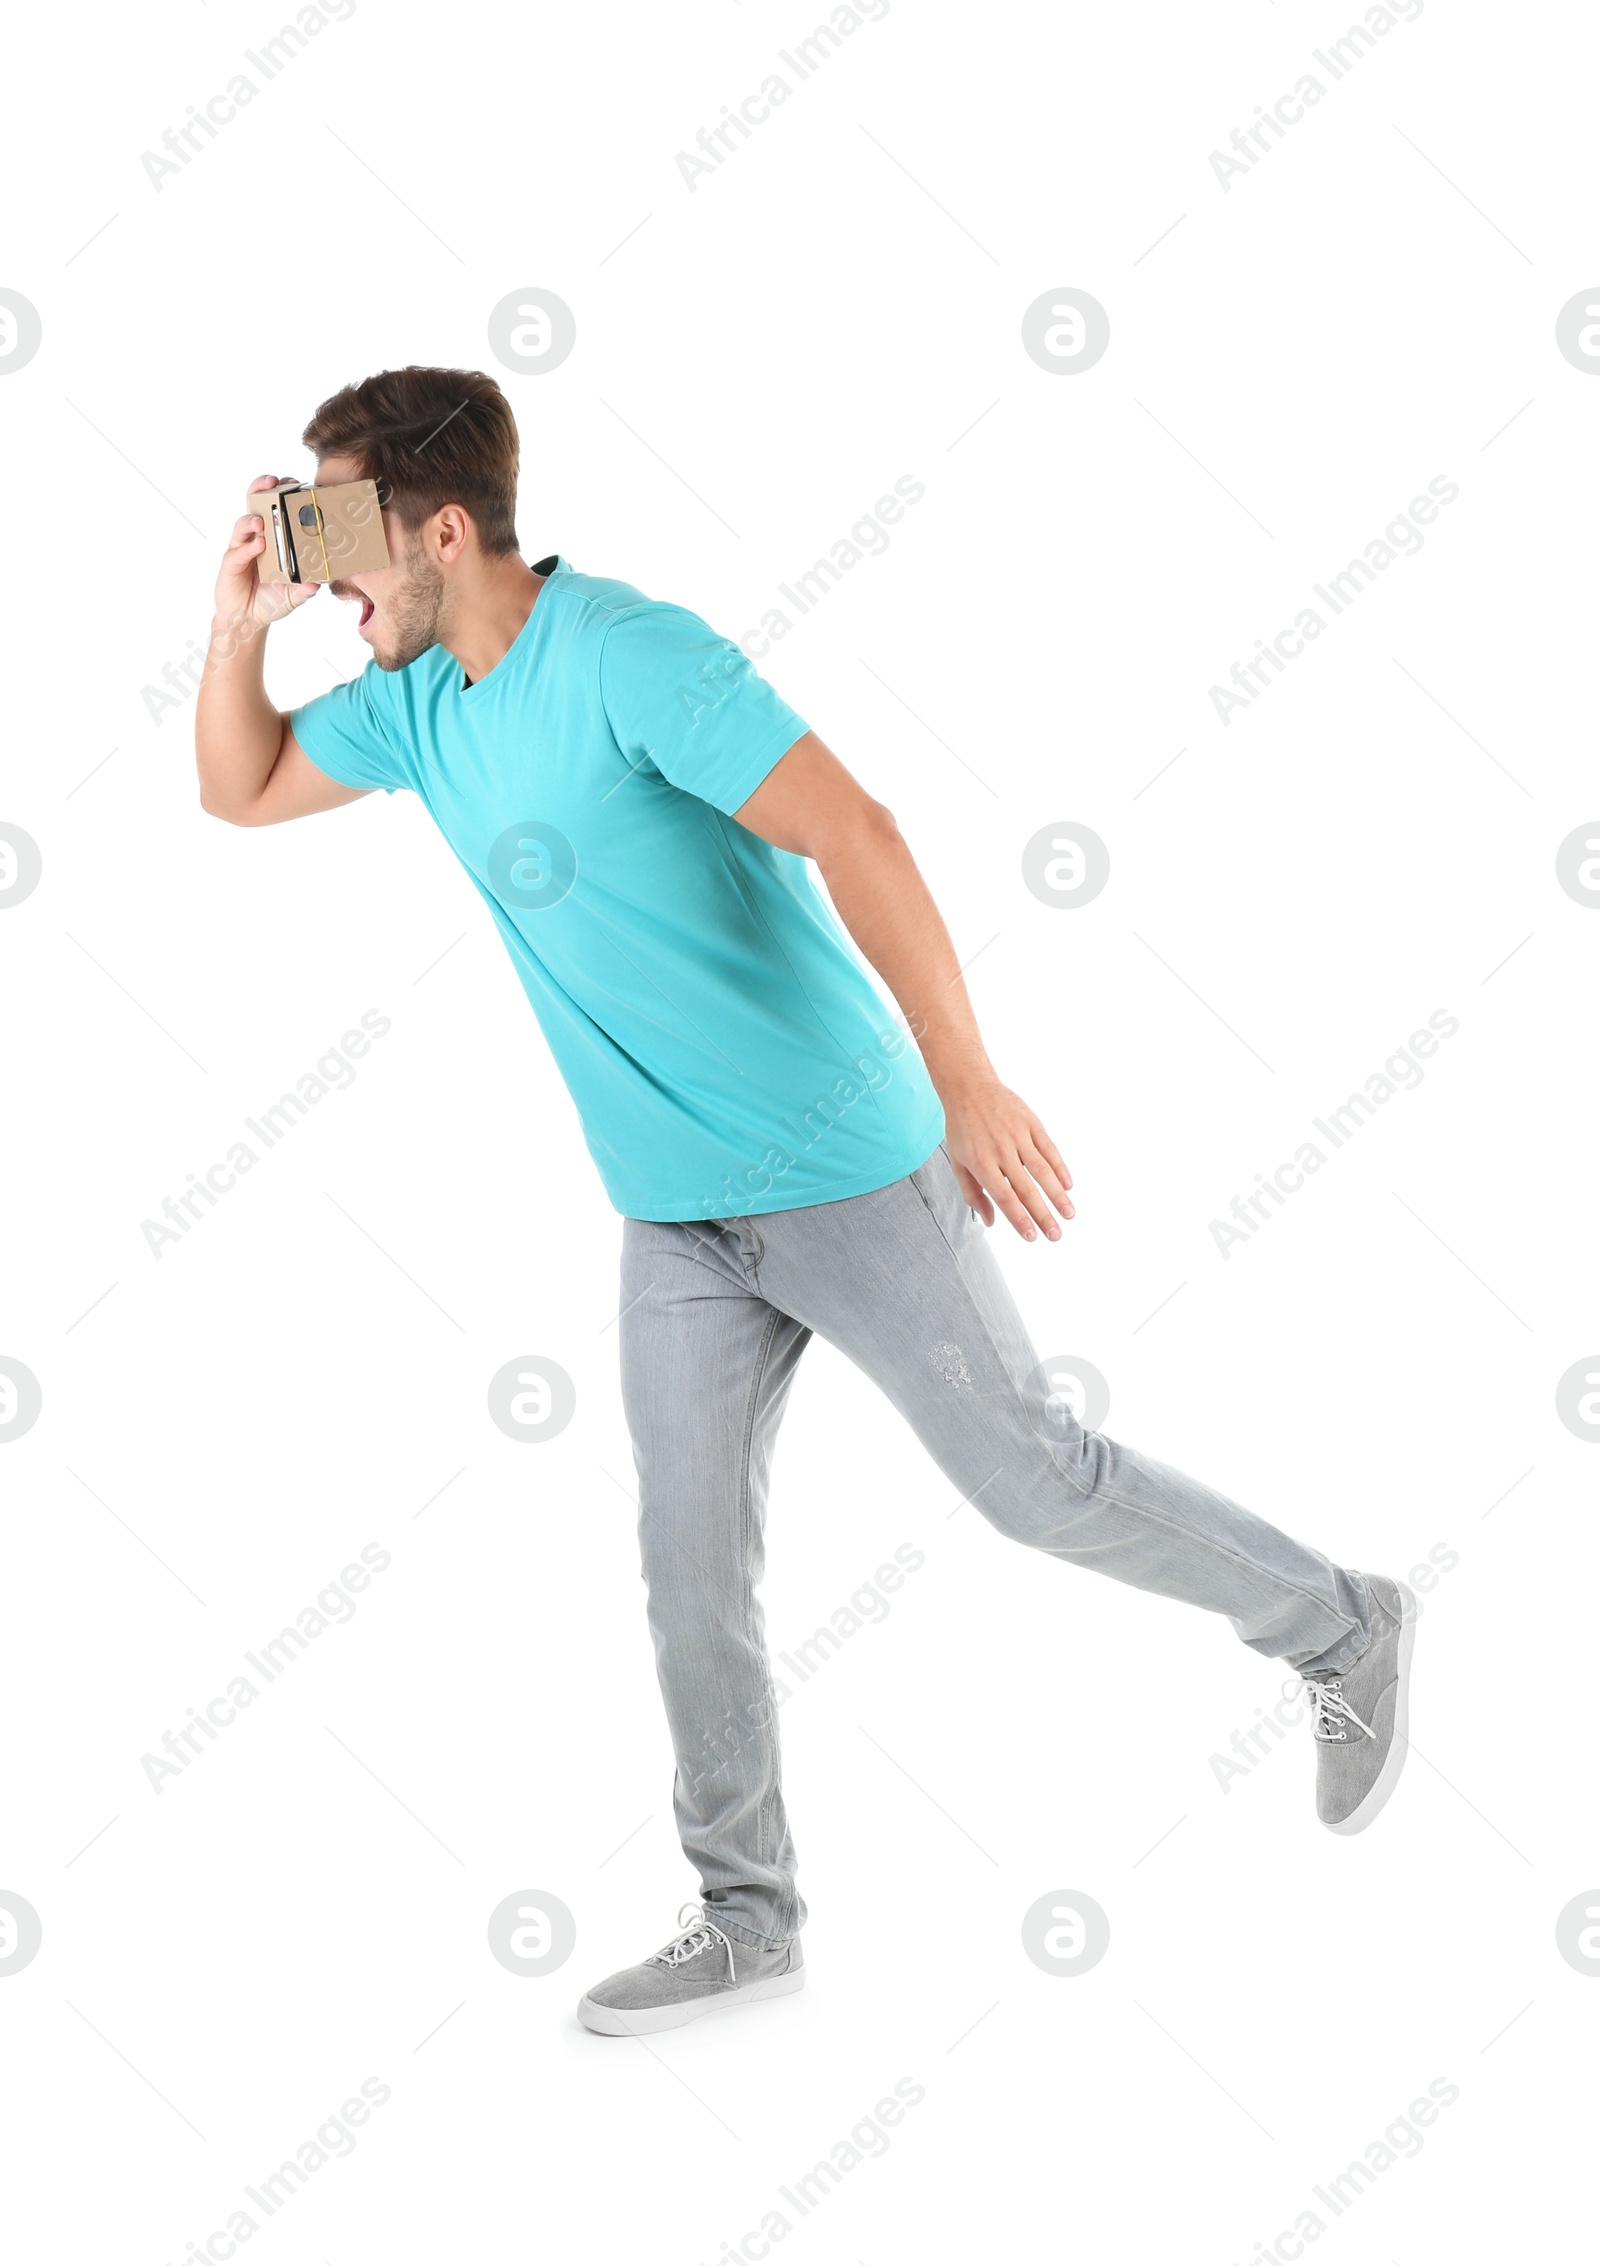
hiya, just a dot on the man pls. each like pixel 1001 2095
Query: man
pixel 637 808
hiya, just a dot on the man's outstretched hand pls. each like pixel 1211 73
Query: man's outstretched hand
pixel 1001 1152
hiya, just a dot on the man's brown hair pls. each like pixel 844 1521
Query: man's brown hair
pixel 428 438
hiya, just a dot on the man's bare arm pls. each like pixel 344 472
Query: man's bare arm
pixel 810 804
pixel 253 771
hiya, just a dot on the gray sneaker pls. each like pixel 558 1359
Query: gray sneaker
pixel 699 1972
pixel 1359 1720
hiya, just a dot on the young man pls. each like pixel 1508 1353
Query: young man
pixel 637 808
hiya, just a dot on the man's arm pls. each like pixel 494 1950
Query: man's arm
pixel 810 804
pixel 253 771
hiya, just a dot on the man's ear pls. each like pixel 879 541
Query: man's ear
pixel 454 527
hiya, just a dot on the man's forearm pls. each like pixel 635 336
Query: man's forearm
pixel 237 731
pixel 999 1150
pixel 888 909
pixel 809 805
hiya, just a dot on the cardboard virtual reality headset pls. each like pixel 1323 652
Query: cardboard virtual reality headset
pixel 318 534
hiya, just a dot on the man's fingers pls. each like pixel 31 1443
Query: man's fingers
pixel 1047 1148
pixel 1053 1179
pixel 1008 1153
pixel 1023 1204
pixel 1035 1203
pixel 973 1192
pixel 1009 1202
pixel 250 531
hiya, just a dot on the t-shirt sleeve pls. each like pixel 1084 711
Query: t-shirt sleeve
pixel 690 702
pixel 344 734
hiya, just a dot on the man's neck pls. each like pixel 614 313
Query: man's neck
pixel 488 621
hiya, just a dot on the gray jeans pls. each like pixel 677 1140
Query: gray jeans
pixel 715 1317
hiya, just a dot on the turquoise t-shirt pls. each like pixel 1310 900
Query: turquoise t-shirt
pixel 726 1050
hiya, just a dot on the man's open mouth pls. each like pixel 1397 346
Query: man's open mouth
pixel 367 609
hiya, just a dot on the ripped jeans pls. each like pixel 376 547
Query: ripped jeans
pixel 715 1317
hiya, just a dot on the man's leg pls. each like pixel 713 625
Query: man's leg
pixel 707 1364
pixel 903 1281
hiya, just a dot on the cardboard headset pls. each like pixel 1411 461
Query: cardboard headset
pixel 318 534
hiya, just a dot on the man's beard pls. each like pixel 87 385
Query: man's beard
pixel 417 612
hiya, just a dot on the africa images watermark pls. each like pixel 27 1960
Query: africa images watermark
pixel 182 679
pixel 333 2137
pixel 1401 1072
pixel 184 143
pixel 1338 60
pixel 716 144
pixel 335 1602
pixel 868 538
pixel 868 1605
pixel 1251 1745
pixel 1403 537
pixel 333 1070
pixel 867 2137
pixel 1402 2136
pixel 825 1112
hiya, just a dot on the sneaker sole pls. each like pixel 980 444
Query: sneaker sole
pixel 619 2022
pixel 1395 1760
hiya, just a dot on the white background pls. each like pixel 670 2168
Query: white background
pixel 757 360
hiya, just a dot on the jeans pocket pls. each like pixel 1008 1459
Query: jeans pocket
pixel 942 1198
pixel 973 1217
pixel 735 1242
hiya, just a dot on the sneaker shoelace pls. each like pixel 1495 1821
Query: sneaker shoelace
pixel 700 1935
pixel 1330 1710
